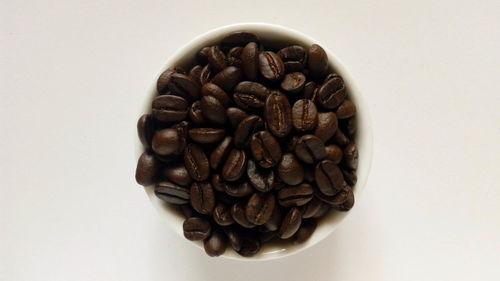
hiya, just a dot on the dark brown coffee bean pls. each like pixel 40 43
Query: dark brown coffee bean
pixel 271 66
pixel 202 55
pixel 348 203
pixel 337 199
pixel 294 196
pixel 165 142
pixel 172 193
pixel 235 115
pixel 309 173
pixel 196 228
pixel 333 153
pixel 187 211
pixel 290 224
pixel 216 244
pixel 196 114
pixel 239 38
pixel 317 62
pixel 217 183
pixel 327 125
pixel 216 59
pixel 211 89
pixel 278 114
pixel 346 109
pixel 311 208
pixel 239 190
pixel 147 169
pixel 178 174
pixel 304 115
pixel 235 165
pixel 220 153
pixel 308 91
pixel 290 170
pixel 310 149
pixel 234 56
pixel 222 215
pixel 250 61
pixel 351 156
pixel 182 129
pixel 305 231
pixel 196 162
pixel 323 210
pixel 294 57
pixel 206 75
pixel 246 128
pixel 234 237
pixel 265 149
pixel 328 177
pixel 145 129
pixel 293 83
pixel 207 135
pixel 184 86
pixel 162 83
pixel 250 95
pixel 249 247
pixel 238 213
pixel 274 222
pixel 202 197
pixel 195 73
pixel 169 108
pixel 213 110
pixel 351 126
pixel 228 78
pixel 350 176
pixel 340 138
pixel 262 180
pixel 332 93
pixel 259 208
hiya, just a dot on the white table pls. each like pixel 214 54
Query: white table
pixel 73 74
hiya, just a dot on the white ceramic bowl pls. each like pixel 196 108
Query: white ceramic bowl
pixel 270 35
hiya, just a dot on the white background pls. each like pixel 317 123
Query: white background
pixel 73 74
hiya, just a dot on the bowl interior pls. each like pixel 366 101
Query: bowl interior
pixel 275 37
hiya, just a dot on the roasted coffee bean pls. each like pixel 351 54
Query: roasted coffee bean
pixel 260 179
pixel 187 211
pixel 351 126
pixel 346 109
pixel 239 38
pixel 311 208
pixel 211 89
pixel 310 149
pixel 195 73
pixel 169 108
pixel 340 138
pixel 246 128
pixel 228 78
pixel 172 193
pixel 249 247
pixel 216 59
pixel 239 190
pixel 178 174
pixel 327 126
pixel 238 214
pixel 308 91
pixel 333 153
pixel 351 156
pixel 250 95
pixel 196 114
pixel 304 115
pixel 202 197
pixel 196 162
pixel 222 215
pixel 305 231
pixel 217 183
pixel 293 83
pixel 233 56
pixel 184 86
pixel 294 196
pixel 145 129
pixel 182 129
pixel 234 237
pixel 147 169
pixel 290 170
pixel 328 177
pixel 216 244
pixel 202 55
pixel 162 83
pixel 290 224
pixel 332 93
pixel 274 222
pixel 207 135
pixel 220 153
pixel 166 142
pixel 323 210
pixel 350 176
pixel 260 208
pixel 271 66
pixel 294 57
pixel 317 62
pixel 235 165
pixel 213 110
pixel 196 228
pixel 265 149
pixel 309 173
pixel 348 203
pixel 250 61
pixel 235 116
pixel 278 114
pixel 206 75
pixel 337 199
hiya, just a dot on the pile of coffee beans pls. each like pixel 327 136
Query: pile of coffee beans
pixel 253 144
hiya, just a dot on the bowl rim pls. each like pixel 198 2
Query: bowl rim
pixel 363 114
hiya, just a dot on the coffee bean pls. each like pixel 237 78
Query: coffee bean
pixel 350 176
pixel 290 170
pixel 206 75
pixel 202 55
pixel 310 149
pixel 234 237
pixel 147 169
pixel 239 189
pixel 249 247
pixel 202 197
pixel 294 58
pixel 332 93
pixel 238 213
pixel 259 208
pixel 222 215
pixel 195 73
pixel 294 196
pixel 233 56
pixel 196 114
pixel 228 78
pixel 187 211
pixel 235 165
pixel 327 125
pixel 337 199
pixel 317 62
pixel 311 208
pixel 207 135
pixel 271 66
pixel 250 95
pixel 196 228
pixel 169 108
pixel 246 128
pixel 308 91
pixel 235 115
pixel 182 129
pixel 333 153
pixel 305 231
pixel 217 183
pixel 304 115
pixel 239 38
pixel 213 110
pixel 323 210
pixel 265 149
pixel 351 126
pixel 196 162
pixel 211 89
pixel 172 193
pixel 216 59
pixel 328 177
pixel 250 61
pixel 145 130
pixel 262 180
pixel 340 138
pixel 293 83
pixel 184 86
pixel 274 222
pixel 220 153
pixel 348 203
pixel 164 79
pixel 216 244
pixel 278 114
pixel 178 174
pixel 165 142
pixel 346 109
pixel 290 224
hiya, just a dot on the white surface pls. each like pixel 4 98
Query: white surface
pixel 72 73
